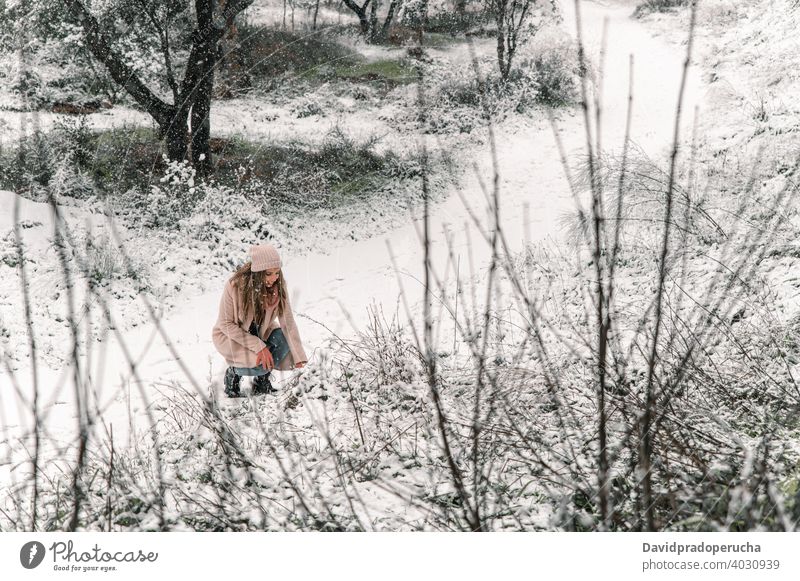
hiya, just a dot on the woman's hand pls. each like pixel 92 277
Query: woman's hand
pixel 300 364
pixel 264 359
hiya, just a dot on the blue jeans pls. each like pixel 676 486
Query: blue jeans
pixel 279 349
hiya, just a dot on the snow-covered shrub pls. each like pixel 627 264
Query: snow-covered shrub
pixel 463 90
pixel 555 69
pixel 717 374
pixel 456 101
pixel 221 211
pixel 9 251
pixel 459 101
pixel 127 169
pixel 644 199
pixel 726 365
pixel 718 12
pixel 362 92
pixel 102 262
pixel 27 85
pixel 405 168
pixel 337 171
pixel 307 107
pixel 29 167
pixel 386 348
pixel 173 198
pixel 70 181
pixel 55 160
pixel 295 188
pixel 76 137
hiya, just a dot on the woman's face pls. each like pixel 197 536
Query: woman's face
pixel 271 275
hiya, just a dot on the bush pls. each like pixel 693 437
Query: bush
pixel 102 262
pixel 556 71
pixel 307 107
pixel 643 201
pixel 27 85
pixel 74 139
pixel 546 73
pixel 67 78
pixel 461 102
pixel 649 6
pixel 79 158
pixel 173 198
pixel 263 53
pixel 222 211
pixel 29 167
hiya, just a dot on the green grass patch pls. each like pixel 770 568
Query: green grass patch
pixel 264 57
pixel 124 165
pixel 388 71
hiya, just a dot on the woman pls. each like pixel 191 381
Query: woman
pixel 246 334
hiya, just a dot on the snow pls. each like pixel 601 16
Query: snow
pixel 336 282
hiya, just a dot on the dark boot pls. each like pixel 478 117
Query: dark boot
pixel 232 383
pixel 262 385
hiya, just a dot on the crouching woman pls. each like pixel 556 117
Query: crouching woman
pixel 246 333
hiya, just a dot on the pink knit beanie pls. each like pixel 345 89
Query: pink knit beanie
pixel 264 256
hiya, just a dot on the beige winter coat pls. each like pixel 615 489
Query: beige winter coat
pixel 238 346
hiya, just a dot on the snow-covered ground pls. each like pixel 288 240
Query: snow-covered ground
pixel 333 283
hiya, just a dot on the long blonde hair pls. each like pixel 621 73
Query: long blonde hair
pixel 251 291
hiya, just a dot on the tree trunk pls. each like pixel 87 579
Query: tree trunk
pixel 416 18
pixel 373 21
pixel 194 96
pixel 175 133
pixel 361 12
pixel 229 70
pixel 201 127
pixel 511 48
pixel 423 21
pixel 389 17
pixel 501 51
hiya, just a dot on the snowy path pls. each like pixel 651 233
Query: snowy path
pixel 355 275
pixel 530 175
